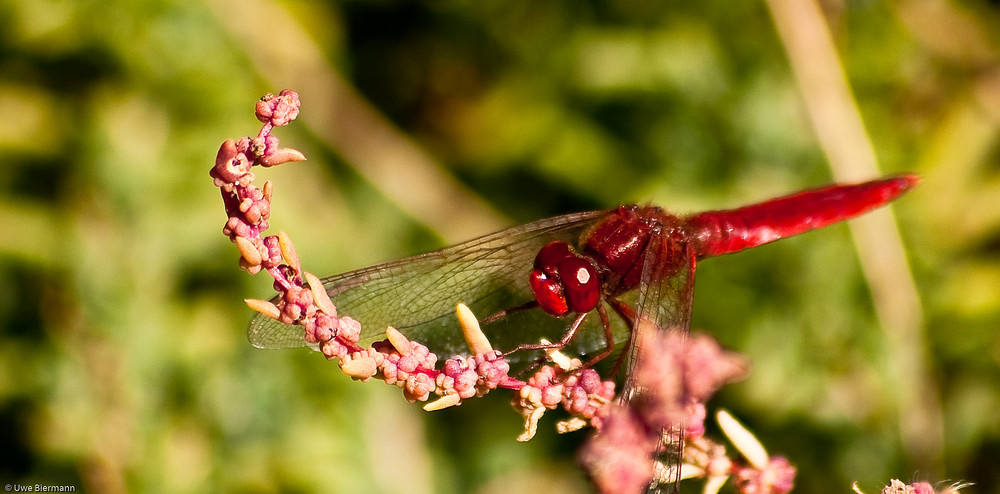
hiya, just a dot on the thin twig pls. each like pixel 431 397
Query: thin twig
pixel 835 116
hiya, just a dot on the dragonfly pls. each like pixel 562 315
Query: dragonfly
pixel 548 278
pixel 637 260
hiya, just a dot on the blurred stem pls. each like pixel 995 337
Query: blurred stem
pixel 835 116
pixel 350 125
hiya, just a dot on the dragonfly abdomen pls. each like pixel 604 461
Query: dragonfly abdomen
pixel 715 233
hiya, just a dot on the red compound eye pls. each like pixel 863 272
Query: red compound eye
pixel 549 293
pixel 550 256
pixel 563 281
pixel 580 283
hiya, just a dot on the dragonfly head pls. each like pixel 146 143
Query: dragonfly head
pixel 563 281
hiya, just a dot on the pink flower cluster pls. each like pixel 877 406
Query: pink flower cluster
pixel 777 477
pixel 673 377
pixel 581 392
pixel 679 373
pixel 898 487
pixel 475 375
pixel 302 299
pixel 249 208
pixel 412 366
pixel 619 458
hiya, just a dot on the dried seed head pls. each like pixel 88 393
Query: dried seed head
pixel 448 400
pixel 477 341
pixel 264 307
pixel 268 189
pixel 713 483
pixel 281 155
pixel 399 342
pixel 248 250
pixel 560 359
pixel 531 424
pixel 361 367
pixel 288 251
pixel 570 425
pixel 743 440
pixel 244 265
pixel 320 297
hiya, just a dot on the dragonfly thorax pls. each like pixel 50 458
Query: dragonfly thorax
pixel 620 243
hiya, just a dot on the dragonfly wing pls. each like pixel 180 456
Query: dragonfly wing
pixel 663 300
pixel 417 295
pixel 663 303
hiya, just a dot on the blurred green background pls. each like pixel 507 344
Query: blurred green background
pixel 124 364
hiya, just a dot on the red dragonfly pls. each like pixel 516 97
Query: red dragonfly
pixel 551 275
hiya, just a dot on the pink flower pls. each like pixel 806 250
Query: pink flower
pixel 278 110
pixel 585 393
pixel 619 459
pixel 898 487
pixel 678 371
pixel 232 167
pixel 777 477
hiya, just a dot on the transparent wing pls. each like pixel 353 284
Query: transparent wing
pixel 663 299
pixel 663 303
pixel 417 295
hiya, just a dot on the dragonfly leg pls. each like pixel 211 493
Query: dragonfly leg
pixel 570 333
pixel 609 339
pixel 628 314
pixel 505 312
pixel 624 310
